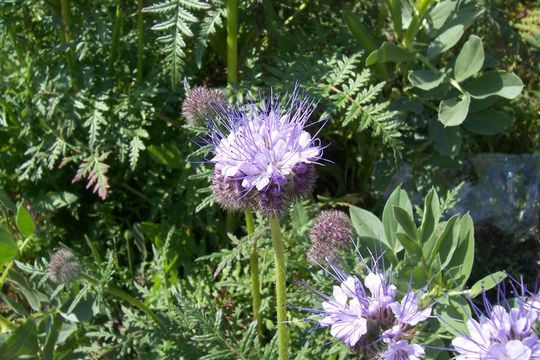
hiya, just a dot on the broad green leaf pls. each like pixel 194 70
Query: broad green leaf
pixel 447 140
pixel 440 14
pixel 487 122
pixel 431 215
pixel 449 241
pixel 470 59
pixel 487 283
pixel 24 222
pixel 501 83
pixel 389 52
pixel 399 198
pixel 463 258
pixel 33 296
pixel 22 343
pixel 445 41
pixel 426 79
pixel 453 313
pixel 8 247
pixel 406 222
pixel 409 244
pixel 432 246
pixel 53 330
pixel 452 112
pixel 369 228
pixel 84 310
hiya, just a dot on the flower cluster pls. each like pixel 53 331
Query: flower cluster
pixel 367 317
pixel 201 103
pixel 63 267
pixel 264 157
pixel 331 230
pixel 502 332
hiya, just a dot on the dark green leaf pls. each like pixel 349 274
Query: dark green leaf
pixel 447 140
pixel 22 343
pixel 431 215
pixel 487 122
pixel 399 198
pixel 406 222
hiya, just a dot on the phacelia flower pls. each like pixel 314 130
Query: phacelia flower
pixel 267 152
pixel 201 103
pixel 366 316
pixel 502 332
pixel 63 267
pixel 331 230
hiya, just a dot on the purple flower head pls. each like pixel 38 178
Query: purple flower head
pixel 331 230
pixel 502 331
pixel 63 267
pixel 200 104
pixel 365 315
pixel 402 350
pixel 268 151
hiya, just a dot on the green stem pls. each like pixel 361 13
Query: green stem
pixel 140 34
pixel 281 297
pixel 121 294
pixel 115 38
pixel 232 41
pixel 67 38
pixel 422 7
pixel 254 268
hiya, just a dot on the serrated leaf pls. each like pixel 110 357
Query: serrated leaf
pixel 24 222
pixel 452 112
pixel 500 83
pixel 426 79
pixel 470 59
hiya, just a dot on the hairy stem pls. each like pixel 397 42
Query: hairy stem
pixel 232 41
pixel 122 295
pixel 281 296
pixel 140 34
pixel 254 268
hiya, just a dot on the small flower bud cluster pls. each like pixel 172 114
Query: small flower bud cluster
pixel 201 103
pixel 63 267
pixel 331 231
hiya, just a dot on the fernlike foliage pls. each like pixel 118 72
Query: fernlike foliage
pixel 178 19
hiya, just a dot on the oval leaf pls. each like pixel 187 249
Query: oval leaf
pixel 447 140
pixel 452 112
pixel 24 222
pixel 425 79
pixel 470 59
pixel 389 52
pixel 446 40
pixel 8 247
pixel 487 283
pixel 500 83
pixel 399 198
pixel 487 122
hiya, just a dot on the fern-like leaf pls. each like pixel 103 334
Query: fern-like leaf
pixel 179 17
pixel 95 171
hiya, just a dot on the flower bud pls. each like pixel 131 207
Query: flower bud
pixel 201 103
pixel 63 267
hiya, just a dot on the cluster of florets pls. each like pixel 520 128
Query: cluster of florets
pixel 201 104
pixel 502 332
pixel 368 318
pixel 63 267
pixel 264 158
pixel 331 231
